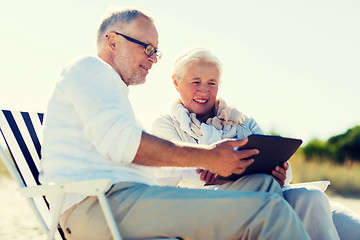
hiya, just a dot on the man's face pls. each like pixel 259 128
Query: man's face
pixel 130 61
pixel 198 88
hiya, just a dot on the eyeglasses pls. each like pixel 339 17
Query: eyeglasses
pixel 149 49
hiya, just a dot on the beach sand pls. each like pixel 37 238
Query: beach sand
pixel 17 219
pixel 19 222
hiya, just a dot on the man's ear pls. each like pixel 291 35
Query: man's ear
pixel 176 84
pixel 112 40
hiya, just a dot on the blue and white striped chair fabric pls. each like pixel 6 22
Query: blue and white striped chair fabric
pixel 23 141
pixel 21 132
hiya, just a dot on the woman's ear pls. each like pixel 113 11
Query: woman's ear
pixel 175 82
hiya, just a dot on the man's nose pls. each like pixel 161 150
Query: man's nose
pixel 153 58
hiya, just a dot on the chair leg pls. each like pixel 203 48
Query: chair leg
pixel 55 216
pixel 109 217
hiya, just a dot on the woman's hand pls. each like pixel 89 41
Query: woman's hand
pixel 206 176
pixel 210 178
pixel 279 173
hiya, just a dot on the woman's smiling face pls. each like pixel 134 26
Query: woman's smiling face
pixel 198 88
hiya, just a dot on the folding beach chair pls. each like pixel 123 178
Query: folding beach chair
pixel 23 135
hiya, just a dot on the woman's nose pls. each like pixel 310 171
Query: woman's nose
pixel 204 88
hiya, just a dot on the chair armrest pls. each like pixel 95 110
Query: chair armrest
pixel 89 188
pixel 322 185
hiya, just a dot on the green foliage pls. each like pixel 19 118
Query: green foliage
pixel 347 145
pixel 316 148
pixel 340 148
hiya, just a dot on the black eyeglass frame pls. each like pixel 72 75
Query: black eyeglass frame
pixel 148 51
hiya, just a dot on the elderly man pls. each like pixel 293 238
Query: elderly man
pixel 91 132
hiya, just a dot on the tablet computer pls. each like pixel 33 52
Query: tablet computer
pixel 274 151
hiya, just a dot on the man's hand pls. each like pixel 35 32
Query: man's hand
pixel 219 158
pixel 225 160
pixel 279 173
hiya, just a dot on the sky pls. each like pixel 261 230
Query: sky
pixel 291 65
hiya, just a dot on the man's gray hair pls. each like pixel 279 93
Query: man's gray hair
pixel 193 55
pixel 125 16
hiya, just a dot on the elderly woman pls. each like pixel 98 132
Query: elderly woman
pixel 200 117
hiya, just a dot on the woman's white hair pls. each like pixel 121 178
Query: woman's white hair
pixel 193 55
